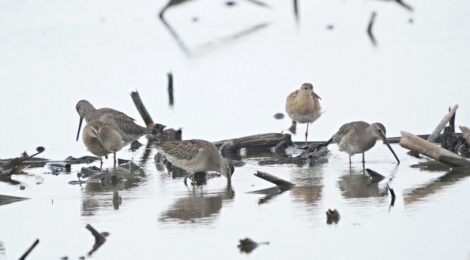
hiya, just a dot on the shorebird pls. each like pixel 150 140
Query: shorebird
pixel 358 137
pixel 102 138
pixel 303 106
pixel 195 156
pixel 129 130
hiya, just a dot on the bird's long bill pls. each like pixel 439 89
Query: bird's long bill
pixel 79 127
pixel 315 95
pixel 390 147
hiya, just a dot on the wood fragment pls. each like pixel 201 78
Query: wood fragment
pixel 296 11
pixel 99 239
pixel 442 124
pixel 142 110
pixel 404 5
pixel 434 151
pixel 253 141
pixel 282 184
pixel 370 27
pixel 171 99
pixel 29 250
pixel 392 193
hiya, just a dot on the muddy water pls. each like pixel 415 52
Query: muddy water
pixel 233 68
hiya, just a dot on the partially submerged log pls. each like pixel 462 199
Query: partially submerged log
pixel 253 141
pixel 282 184
pixel 434 151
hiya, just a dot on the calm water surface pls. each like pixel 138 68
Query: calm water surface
pixel 233 68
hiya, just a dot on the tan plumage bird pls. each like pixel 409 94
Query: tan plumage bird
pixel 102 139
pixel 129 130
pixel 303 106
pixel 195 156
pixel 358 137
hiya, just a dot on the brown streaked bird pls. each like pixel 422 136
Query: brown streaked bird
pixel 128 129
pixel 195 156
pixel 358 137
pixel 102 138
pixel 303 106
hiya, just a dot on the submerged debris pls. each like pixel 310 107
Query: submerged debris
pixel 247 245
pixel 332 216
pixel 100 238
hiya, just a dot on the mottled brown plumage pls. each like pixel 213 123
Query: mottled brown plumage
pixel 303 106
pixel 195 156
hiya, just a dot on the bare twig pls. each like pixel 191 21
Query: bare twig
pixel 29 250
pixel 170 88
pixel 99 239
pixel 142 110
pixel 369 28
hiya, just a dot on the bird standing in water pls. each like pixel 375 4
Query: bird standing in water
pixel 108 130
pixel 195 156
pixel 102 139
pixel 303 106
pixel 358 137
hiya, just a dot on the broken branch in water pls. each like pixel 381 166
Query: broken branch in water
pixel 141 108
pixel 29 250
pixel 392 193
pixel 369 28
pixel 280 183
pixel 252 141
pixel 442 124
pixel 170 88
pixel 434 151
pixel 100 238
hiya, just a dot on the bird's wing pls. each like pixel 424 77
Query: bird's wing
pixel 180 150
pixel 348 128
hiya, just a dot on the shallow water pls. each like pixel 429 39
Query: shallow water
pixel 239 66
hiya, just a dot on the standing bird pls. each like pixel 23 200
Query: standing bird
pixel 102 139
pixel 114 128
pixel 195 156
pixel 303 106
pixel 358 137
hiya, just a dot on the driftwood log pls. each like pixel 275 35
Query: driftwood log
pixel 280 183
pixel 254 141
pixel 434 151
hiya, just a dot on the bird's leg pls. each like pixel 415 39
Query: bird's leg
pixel 194 179
pixel 306 134
pixel 349 161
pixel 293 127
pixel 114 163
pixel 101 163
pixel 363 159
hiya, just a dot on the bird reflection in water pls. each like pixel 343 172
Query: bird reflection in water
pixel 100 194
pixel 360 186
pixel 198 205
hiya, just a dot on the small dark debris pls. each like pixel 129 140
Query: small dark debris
pixel 195 19
pixel 22 187
pixel 375 176
pixel 230 3
pixel 135 145
pixel 330 27
pixel 279 116
pixel 100 238
pixel 332 217
pixel 411 21
pixel 247 245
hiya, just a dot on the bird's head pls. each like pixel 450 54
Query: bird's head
pixel 307 89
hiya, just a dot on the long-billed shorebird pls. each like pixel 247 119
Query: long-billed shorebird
pixel 108 130
pixel 195 156
pixel 102 139
pixel 303 106
pixel 129 130
pixel 358 137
